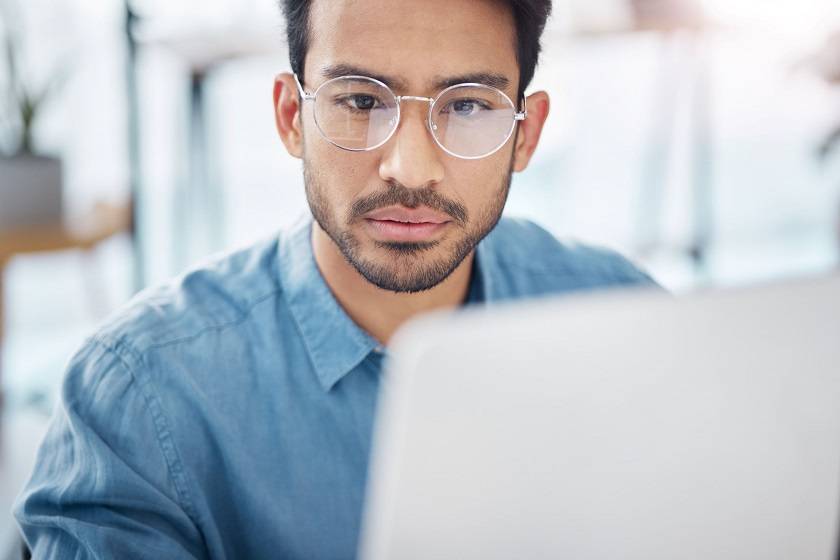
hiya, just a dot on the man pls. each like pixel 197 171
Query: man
pixel 229 414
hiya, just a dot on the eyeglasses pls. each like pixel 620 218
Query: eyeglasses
pixel 360 114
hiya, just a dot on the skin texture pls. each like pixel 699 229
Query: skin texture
pixel 379 283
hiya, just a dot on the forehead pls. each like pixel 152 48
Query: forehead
pixel 417 42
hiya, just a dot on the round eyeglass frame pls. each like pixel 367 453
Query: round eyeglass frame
pixel 432 101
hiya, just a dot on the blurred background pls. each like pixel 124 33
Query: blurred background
pixel 136 138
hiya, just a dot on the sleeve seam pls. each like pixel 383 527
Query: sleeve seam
pixel 166 442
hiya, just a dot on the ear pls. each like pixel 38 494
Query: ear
pixel 287 113
pixel 530 129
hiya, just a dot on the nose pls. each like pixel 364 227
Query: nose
pixel 411 157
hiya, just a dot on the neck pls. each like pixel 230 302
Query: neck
pixel 377 311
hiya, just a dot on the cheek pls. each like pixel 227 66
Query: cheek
pixel 478 185
pixel 342 176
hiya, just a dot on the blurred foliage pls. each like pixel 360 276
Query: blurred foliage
pixel 827 62
pixel 21 101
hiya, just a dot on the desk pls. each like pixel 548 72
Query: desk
pixel 85 233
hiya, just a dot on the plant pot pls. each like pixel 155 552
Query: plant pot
pixel 30 191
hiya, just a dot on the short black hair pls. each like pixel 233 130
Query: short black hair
pixel 529 16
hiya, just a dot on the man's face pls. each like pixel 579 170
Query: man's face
pixel 407 214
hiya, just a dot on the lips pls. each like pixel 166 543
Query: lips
pixel 404 215
pixel 402 224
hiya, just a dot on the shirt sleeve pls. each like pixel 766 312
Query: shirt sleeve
pixel 108 482
pixel 628 274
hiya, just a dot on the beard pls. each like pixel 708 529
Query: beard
pixel 406 267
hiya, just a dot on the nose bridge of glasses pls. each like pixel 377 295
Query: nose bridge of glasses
pixel 401 98
pixel 428 100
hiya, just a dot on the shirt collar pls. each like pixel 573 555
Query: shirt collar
pixel 335 343
pixel 487 264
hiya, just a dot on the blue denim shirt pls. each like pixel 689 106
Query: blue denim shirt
pixel 229 414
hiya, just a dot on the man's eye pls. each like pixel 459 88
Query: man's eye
pixel 359 102
pixel 364 102
pixel 466 107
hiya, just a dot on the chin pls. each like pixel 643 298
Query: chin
pixel 407 249
pixel 408 269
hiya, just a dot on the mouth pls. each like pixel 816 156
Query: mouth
pixel 401 224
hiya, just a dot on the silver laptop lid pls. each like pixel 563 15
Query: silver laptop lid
pixel 634 427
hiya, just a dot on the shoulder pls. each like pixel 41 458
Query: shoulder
pixel 525 253
pixel 218 293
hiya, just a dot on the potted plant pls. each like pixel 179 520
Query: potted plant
pixel 30 183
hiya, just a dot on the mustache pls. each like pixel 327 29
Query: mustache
pixel 397 194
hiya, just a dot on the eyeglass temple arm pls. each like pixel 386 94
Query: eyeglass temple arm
pixel 521 116
pixel 303 93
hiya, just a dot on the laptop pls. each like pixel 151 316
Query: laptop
pixel 628 425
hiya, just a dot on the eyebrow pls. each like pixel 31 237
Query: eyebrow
pixel 498 81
